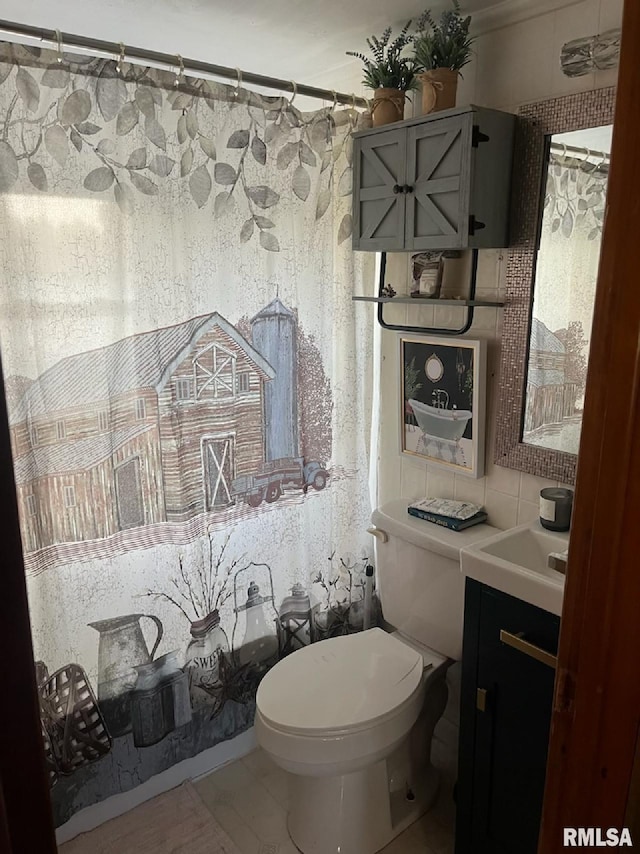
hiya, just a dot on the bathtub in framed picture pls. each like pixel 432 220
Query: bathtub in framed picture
pixel 443 402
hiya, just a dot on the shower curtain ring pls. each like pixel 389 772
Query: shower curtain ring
pixel 120 62
pixel 59 41
pixel 294 86
pixel 180 75
pixel 236 93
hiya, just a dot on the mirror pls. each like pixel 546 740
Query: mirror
pixel 564 286
pixel 560 176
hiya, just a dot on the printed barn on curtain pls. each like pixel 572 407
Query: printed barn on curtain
pixel 189 396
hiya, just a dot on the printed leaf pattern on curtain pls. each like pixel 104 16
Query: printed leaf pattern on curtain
pixel 167 129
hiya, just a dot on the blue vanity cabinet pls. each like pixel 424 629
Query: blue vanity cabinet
pixel 508 675
pixel 440 181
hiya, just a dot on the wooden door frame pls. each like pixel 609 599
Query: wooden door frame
pixel 26 823
pixel 596 711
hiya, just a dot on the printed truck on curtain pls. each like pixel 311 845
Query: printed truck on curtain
pixel 159 427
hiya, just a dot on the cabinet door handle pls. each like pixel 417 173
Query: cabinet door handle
pixel 397 189
pixel 518 642
pixel 408 188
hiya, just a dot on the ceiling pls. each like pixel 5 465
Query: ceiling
pixel 297 39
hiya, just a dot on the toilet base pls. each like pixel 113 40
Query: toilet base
pixel 365 816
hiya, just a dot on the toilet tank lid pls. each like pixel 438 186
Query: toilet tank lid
pixel 396 521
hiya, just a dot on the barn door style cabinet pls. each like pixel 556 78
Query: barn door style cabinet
pixel 508 673
pixel 440 181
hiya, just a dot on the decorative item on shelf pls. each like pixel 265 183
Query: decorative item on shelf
pixel 441 50
pixel 255 643
pixel 390 74
pixel 387 291
pixel 295 621
pixel 426 278
pixel 208 644
pixel 556 504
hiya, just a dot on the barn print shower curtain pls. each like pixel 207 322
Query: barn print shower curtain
pixel 189 396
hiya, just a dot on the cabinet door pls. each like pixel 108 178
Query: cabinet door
pixel 378 200
pixel 438 183
pixel 512 733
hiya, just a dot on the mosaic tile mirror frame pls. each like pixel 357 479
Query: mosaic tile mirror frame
pixel 537 122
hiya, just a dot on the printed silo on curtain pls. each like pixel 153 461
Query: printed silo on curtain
pixel 274 336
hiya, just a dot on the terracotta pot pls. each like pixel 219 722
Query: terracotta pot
pixel 438 89
pixel 388 106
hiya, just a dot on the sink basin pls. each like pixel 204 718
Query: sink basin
pixel 515 562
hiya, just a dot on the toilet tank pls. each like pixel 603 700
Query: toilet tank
pixel 420 584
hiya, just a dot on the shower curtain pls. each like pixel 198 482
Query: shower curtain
pixel 189 396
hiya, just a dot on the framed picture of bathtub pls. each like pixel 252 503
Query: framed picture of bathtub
pixel 443 387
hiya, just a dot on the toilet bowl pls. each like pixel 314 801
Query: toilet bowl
pixel 344 738
pixel 351 718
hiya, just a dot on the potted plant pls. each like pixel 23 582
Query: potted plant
pixel 389 74
pixel 441 50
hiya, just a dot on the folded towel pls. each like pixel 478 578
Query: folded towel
pixel 446 507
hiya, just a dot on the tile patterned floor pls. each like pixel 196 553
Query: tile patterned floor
pixel 249 799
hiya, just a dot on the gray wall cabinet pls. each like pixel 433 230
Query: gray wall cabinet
pixel 440 181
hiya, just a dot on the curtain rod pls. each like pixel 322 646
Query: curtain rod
pixel 137 53
pixel 560 146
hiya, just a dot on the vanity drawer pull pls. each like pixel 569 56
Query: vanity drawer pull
pixel 518 642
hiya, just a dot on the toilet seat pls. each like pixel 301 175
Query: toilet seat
pixel 342 685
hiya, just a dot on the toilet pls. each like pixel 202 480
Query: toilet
pixel 351 718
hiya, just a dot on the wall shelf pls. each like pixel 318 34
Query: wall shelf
pixel 470 303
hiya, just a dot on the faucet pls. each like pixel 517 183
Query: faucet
pixel 558 561
pixel 440 398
